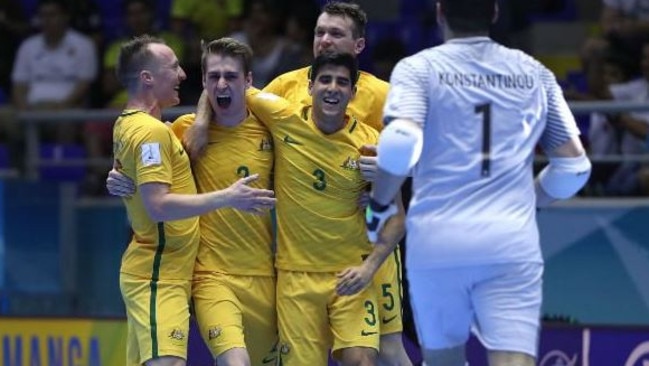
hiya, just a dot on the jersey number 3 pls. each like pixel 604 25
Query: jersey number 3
pixel 485 110
pixel 320 184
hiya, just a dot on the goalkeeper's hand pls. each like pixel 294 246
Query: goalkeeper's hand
pixel 376 215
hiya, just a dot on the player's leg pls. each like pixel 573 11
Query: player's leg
pixel 159 314
pixel 390 296
pixel 443 314
pixel 355 324
pixel 303 322
pixel 503 358
pixel 257 296
pixel 132 348
pixel 219 318
pixel 454 356
pixel 507 307
pixel 392 352
pixel 166 361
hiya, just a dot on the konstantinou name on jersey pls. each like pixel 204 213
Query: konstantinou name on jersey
pixel 495 81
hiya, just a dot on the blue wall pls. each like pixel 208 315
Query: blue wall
pixel 597 255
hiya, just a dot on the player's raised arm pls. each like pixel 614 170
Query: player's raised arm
pixel 195 137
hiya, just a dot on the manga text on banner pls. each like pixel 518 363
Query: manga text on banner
pixel 59 342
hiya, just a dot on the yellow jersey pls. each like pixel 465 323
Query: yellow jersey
pixel 232 241
pixel 367 105
pixel 321 227
pixel 147 151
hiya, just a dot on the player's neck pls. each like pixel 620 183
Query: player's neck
pixel 328 124
pixel 145 105
pixel 230 120
pixel 450 34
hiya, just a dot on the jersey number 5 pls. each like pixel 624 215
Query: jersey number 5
pixel 485 110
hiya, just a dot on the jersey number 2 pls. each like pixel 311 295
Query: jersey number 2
pixel 485 110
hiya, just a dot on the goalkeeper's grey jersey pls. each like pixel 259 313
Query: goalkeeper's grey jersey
pixel 483 108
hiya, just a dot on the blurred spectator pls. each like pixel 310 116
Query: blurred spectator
pixel 620 72
pixel 85 17
pixel 139 19
pixel 13 29
pixel 630 178
pixel 272 52
pixel 205 19
pixel 299 31
pixel 54 69
pixel 625 22
pixel 201 20
pixel 512 28
pixel 385 55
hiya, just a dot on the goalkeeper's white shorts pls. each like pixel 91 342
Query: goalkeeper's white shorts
pixel 501 302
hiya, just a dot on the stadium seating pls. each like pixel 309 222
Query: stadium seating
pixel 4 157
pixel 61 153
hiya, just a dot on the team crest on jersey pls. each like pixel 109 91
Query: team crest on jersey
pixel 266 145
pixel 350 164
pixel 213 333
pixel 177 334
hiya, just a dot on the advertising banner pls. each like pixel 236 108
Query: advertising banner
pixel 583 346
pixel 70 342
pixel 62 342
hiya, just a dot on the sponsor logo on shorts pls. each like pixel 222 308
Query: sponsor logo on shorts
pixel 557 357
pixel 366 333
pixel 387 320
pixel 213 333
pixel 177 334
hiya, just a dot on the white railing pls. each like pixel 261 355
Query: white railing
pixel 32 119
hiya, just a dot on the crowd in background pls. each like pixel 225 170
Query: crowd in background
pixel 61 54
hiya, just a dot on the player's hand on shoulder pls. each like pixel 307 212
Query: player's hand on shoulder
pixel 119 184
pixel 250 199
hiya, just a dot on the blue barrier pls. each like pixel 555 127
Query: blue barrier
pixel 597 254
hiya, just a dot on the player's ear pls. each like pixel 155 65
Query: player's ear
pixel 359 46
pixel 249 79
pixel 439 13
pixel 146 78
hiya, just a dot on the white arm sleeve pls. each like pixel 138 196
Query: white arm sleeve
pixel 563 177
pixel 400 146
